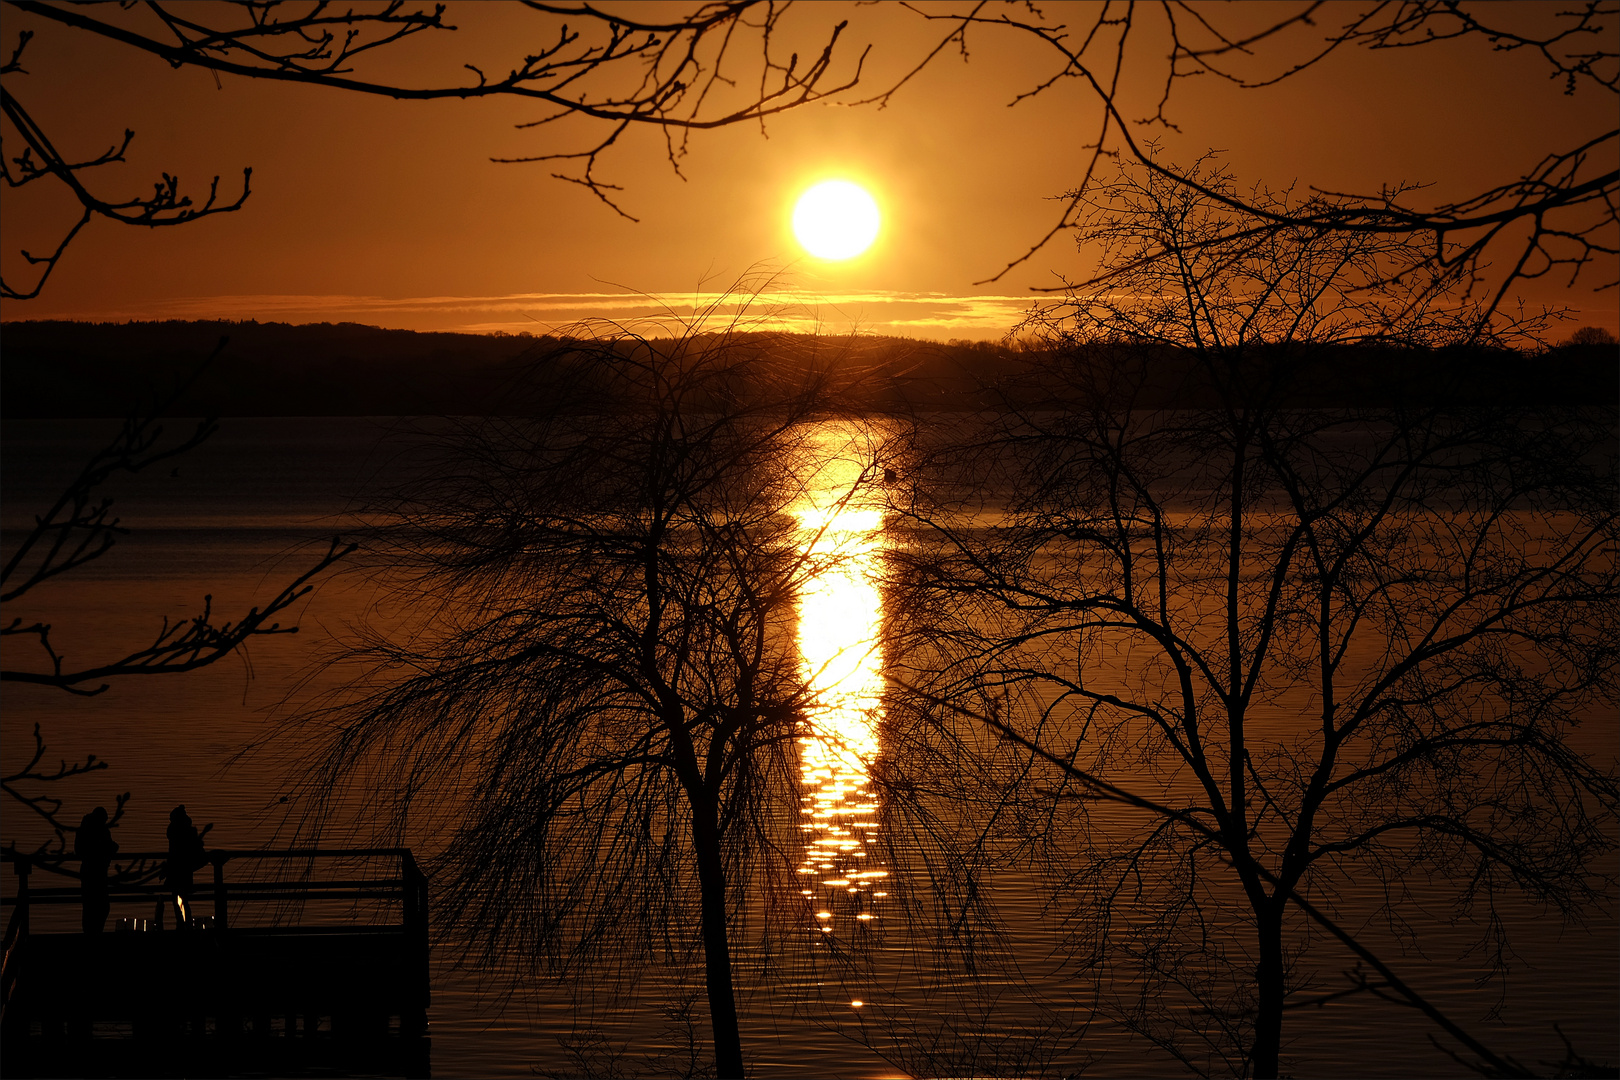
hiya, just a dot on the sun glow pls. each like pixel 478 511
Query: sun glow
pixel 836 220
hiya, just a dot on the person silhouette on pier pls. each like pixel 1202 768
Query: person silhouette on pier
pixel 186 856
pixel 95 847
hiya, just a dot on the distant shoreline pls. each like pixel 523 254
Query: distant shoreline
pixel 60 369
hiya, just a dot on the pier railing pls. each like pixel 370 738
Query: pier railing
pixel 282 886
pixel 329 944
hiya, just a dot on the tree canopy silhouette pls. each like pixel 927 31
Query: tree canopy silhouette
pixel 597 712
pixel 1257 649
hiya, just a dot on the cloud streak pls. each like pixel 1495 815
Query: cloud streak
pixel 907 314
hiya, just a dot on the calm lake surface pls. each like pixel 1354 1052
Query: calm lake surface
pixel 248 511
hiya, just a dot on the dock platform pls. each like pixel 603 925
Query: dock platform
pixel 292 962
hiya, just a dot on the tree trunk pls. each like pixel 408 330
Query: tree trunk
pixel 728 1061
pixel 1268 977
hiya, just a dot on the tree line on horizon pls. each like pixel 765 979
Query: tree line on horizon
pixel 70 369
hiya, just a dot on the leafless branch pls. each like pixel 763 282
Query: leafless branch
pixel 1560 216
pixel 79 528
pixel 165 206
pixel 618 70
pixel 183 645
pixel 45 805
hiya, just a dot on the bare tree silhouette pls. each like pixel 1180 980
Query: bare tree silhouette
pixel 598 707
pixel 677 75
pixel 1258 648
pixel 1558 217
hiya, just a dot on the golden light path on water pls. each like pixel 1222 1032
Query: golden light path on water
pixel 840 619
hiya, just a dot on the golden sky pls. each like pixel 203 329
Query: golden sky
pixel 391 213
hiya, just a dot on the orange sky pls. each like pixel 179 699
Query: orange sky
pixel 391 213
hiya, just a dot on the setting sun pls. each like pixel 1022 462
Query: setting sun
pixel 836 220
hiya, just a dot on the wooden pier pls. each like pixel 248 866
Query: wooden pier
pixel 294 962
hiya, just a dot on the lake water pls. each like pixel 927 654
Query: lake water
pixel 246 512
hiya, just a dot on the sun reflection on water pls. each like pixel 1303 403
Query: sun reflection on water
pixel 840 619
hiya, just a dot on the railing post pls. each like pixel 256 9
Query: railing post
pixel 220 911
pixel 24 866
pixel 416 931
pixel 16 937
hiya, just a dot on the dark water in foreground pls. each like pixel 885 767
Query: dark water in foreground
pixel 239 520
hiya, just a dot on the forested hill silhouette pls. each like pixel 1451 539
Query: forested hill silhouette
pixel 50 369
pixel 83 369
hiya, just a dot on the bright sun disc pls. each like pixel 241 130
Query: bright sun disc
pixel 836 220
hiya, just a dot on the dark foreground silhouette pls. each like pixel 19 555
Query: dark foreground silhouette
pixel 311 962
